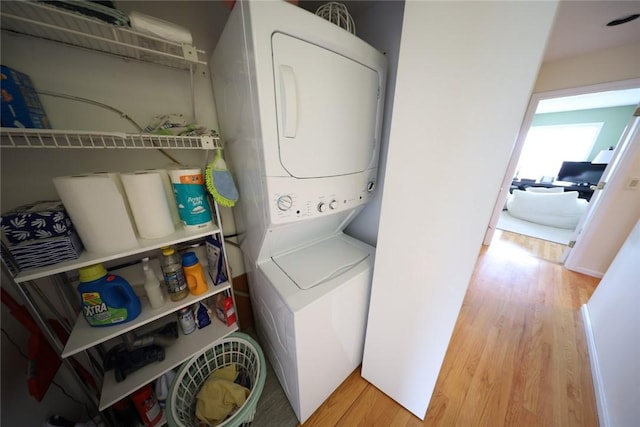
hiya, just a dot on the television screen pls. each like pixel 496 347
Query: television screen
pixel 581 172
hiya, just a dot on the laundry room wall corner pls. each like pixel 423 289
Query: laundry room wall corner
pixel 380 26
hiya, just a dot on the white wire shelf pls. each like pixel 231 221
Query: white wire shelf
pixel 56 24
pixel 49 138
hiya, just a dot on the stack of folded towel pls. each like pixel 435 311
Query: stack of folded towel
pixel 39 234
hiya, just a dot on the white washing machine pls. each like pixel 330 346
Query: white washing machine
pixel 314 338
pixel 300 102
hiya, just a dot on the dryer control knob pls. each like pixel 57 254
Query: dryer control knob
pixel 333 204
pixel 284 202
pixel 322 207
pixel 370 186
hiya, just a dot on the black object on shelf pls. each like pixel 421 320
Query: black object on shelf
pixel 125 362
pixel 138 351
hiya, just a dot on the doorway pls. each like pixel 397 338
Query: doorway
pixel 574 102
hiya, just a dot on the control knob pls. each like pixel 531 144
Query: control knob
pixel 322 207
pixel 333 204
pixel 284 203
pixel 370 186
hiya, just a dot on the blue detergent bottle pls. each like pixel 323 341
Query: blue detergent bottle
pixel 107 299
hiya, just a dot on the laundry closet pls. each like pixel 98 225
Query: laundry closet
pixel 94 94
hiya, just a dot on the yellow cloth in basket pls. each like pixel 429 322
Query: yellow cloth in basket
pixel 220 396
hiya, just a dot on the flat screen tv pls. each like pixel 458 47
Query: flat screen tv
pixel 581 172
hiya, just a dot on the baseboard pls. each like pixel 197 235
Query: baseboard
pixel 601 401
pixel 586 271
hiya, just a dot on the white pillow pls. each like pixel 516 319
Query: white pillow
pixel 562 210
pixel 545 189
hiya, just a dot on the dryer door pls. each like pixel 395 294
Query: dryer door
pixel 326 108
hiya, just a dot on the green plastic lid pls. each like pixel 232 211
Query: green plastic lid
pixel 92 272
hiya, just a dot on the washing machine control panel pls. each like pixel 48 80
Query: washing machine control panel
pixel 297 199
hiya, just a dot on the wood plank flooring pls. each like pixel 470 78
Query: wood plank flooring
pixel 517 357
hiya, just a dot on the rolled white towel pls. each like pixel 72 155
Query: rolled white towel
pixel 157 27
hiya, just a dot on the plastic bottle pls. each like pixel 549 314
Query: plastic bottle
pixel 107 299
pixel 152 285
pixel 187 320
pixel 163 383
pixel 173 274
pixel 194 273
pixel 147 405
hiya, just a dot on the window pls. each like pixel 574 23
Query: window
pixel 546 147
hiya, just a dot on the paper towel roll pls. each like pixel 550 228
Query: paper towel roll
pixel 168 189
pixel 191 197
pixel 98 211
pixel 115 177
pixel 149 205
pixel 160 28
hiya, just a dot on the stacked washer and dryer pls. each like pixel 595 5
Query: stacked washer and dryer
pixel 300 105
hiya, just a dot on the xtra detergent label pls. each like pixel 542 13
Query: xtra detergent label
pixel 98 313
pixel 191 199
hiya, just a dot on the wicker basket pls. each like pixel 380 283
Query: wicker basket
pixel 237 348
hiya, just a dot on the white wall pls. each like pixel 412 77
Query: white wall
pixel 465 74
pixel 380 25
pixel 613 314
pixel 610 65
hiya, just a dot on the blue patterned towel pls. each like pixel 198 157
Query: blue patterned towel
pixel 39 220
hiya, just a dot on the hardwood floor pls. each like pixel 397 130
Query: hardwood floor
pixel 517 357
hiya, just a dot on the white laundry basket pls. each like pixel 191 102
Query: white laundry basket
pixel 238 348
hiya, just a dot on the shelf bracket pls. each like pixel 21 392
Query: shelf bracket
pixel 190 53
pixel 208 142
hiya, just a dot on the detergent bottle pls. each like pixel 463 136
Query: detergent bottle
pixel 107 299
pixel 194 273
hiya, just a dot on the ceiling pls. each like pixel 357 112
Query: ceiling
pixel 580 27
